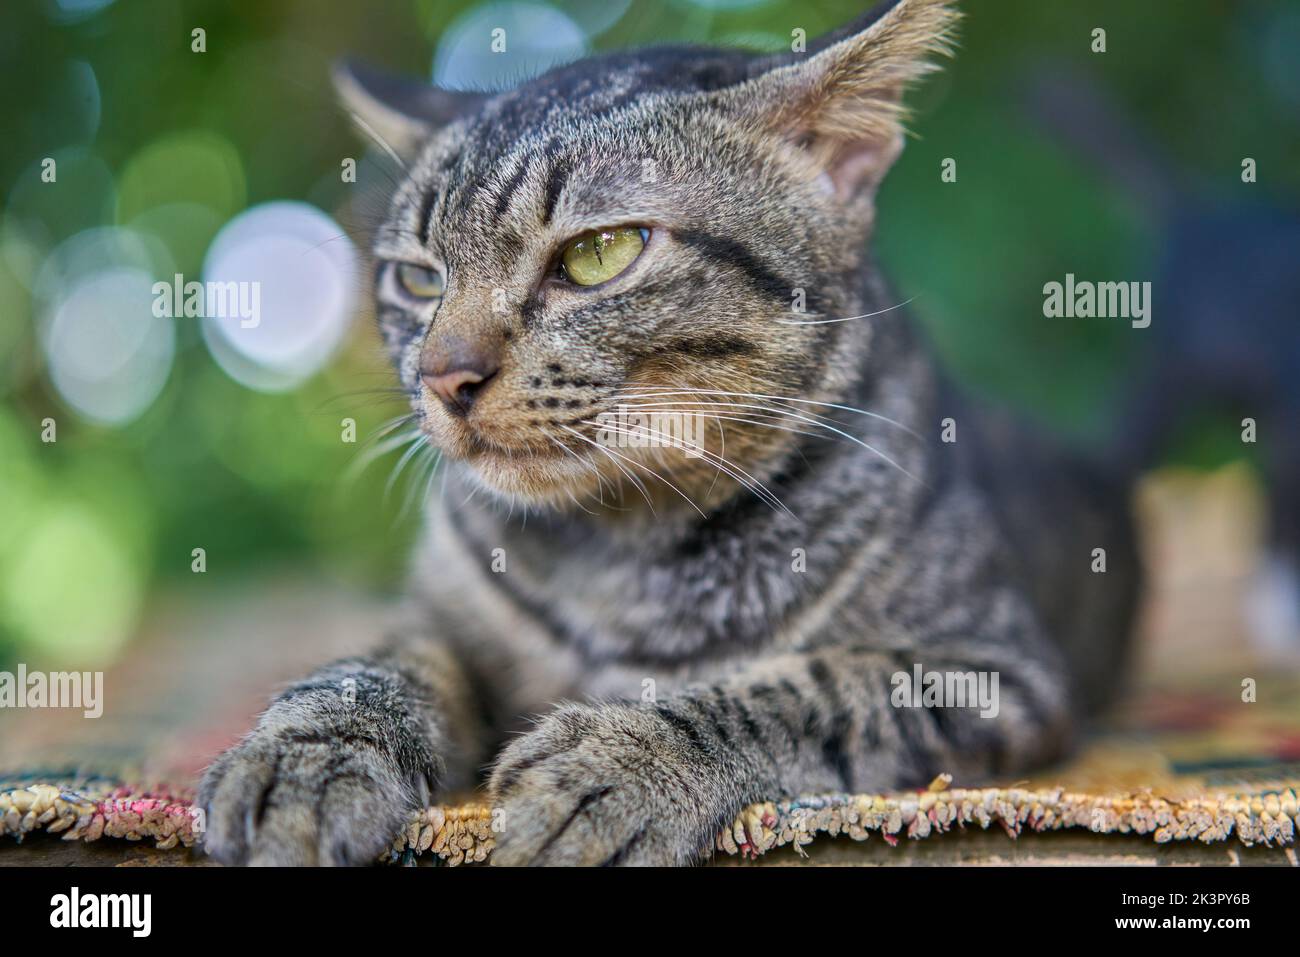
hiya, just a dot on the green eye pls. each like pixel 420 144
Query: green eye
pixel 420 282
pixel 602 254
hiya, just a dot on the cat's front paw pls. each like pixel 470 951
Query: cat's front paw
pixel 308 788
pixel 606 785
pixel 278 800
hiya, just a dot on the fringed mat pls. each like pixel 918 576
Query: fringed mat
pixel 1196 765
pixel 92 809
pixel 1266 816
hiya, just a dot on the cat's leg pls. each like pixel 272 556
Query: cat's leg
pixel 636 784
pixel 335 764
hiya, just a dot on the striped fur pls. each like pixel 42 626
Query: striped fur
pixel 688 643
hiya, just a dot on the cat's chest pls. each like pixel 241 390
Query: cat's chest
pixel 645 606
pixel 652 608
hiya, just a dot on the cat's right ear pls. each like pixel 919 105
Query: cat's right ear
pixel 399 113
pixel 840 102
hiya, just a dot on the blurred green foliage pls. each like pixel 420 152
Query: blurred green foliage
pixel 176 142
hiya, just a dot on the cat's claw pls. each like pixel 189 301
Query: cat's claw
pixel 275 799
pixel 607 785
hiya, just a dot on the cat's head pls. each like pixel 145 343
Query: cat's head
pixel 653 233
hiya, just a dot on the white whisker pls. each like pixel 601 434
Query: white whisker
pixel 823 322
pixel 592 442
pixel 409 454
pixel 380 449
pixel 587 464
pixel 753 484
pixel 852 438
pixel 755 420
pixel 379 140
pixel 771 398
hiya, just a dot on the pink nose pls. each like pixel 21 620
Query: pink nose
pixel 458 368
pixel 457 388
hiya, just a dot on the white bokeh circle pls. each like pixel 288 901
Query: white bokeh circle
pixel 108 355
pixel 536 37
pixel 302 269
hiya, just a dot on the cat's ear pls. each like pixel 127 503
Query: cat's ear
pixel 841 101
pixel 400 113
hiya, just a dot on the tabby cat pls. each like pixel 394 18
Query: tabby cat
pixel 679 628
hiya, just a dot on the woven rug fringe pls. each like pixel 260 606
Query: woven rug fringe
pixel 1266 814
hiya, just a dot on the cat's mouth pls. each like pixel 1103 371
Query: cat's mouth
pixel 532 468
pixel 479 447
pixel 559 461
pixel 542 474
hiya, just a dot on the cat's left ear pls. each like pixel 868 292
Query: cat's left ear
pixel 400 113
pixel 841 102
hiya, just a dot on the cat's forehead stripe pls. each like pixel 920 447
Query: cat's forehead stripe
pixel 426 215
pixel 507 192
pixel 554 187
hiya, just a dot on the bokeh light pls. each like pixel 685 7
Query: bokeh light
pixel 14 323
pixel 20 482
pixel 196 167
pixel 72 590
pixel 81 196
pixel 108 355
pixel 536 37
pixel 186 229
pixel 1278 61
pixel 92 250
pixel 595 16
pixel 298 269
pixel 74 11
pixel 80 106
